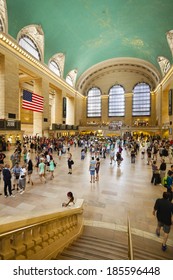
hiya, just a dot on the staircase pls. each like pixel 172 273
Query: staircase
pixel 147 249
pixel 93 248
pixel 97 244
pixel 105 244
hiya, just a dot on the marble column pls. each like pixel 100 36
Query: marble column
pixel 9 87
pixel 40 120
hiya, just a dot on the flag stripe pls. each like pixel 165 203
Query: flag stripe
pixel 32 101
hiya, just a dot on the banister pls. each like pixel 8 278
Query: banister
pixel 130 245
pixel 37 220
pixel 41 237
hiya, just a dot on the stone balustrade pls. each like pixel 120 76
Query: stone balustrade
pixel 41 237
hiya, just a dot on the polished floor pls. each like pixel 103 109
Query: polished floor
pixel 120 192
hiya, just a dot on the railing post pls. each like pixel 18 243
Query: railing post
pixel 28 242
pixel 130 245
pixel 18 245
pixel 6 253
pixel 36 238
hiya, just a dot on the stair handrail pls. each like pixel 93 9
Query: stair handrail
pixel 130 244
pixel 41 237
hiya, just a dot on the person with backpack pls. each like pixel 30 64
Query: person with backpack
pixel 162 169
pixel 163 210
pixel 155 174
pixel 149 154
pixel 168 182
pixel 118 158
pixel 164 152
pixel 155 151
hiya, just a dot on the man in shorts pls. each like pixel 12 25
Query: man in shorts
pixel 163 209
pixel 16 174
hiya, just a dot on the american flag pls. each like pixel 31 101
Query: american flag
pixel 32 101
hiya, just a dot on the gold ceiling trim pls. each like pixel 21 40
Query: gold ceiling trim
pixel 9 43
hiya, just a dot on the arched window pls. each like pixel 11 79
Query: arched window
pixel 94 103
pixel 3 16
pixel 116 101
pixel 164 64
pixel 69 80
pixel 55 68
pixel 26 43
pixel 56 64
pixel 141 100
pixel 71 77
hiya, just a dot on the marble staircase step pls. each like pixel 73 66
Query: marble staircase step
pixel 148 249
pixel 94 248
pixel 105 244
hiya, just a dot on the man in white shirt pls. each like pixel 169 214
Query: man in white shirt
pixel 112 155
pixel 22 179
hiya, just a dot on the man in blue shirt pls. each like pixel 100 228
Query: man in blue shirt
pixel 169 184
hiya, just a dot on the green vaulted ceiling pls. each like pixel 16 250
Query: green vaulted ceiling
pixel 91 31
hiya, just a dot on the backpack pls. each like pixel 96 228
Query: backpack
pixel 165 182
pixel 165 153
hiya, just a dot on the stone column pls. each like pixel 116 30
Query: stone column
pixel 70 111
pixel 9 87
pixel 58 106
pixel 159 106
pixel 128 109
pixel 105 109
pixel 41 87
pixel 63 117
pixel 153 121
pixel 80 109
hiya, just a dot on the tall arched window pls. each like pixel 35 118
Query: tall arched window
pixel 116 101
pixel 28 44
pixel 3 16
pixel 71 77
pixel 94 103
pixel 141 100
pixel 69 80
pixel 55 68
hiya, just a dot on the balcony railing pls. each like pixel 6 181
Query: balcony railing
pixel 64 127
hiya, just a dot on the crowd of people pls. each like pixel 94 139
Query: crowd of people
pixel 157 152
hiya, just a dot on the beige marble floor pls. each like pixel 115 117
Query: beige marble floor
pixel 121 191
